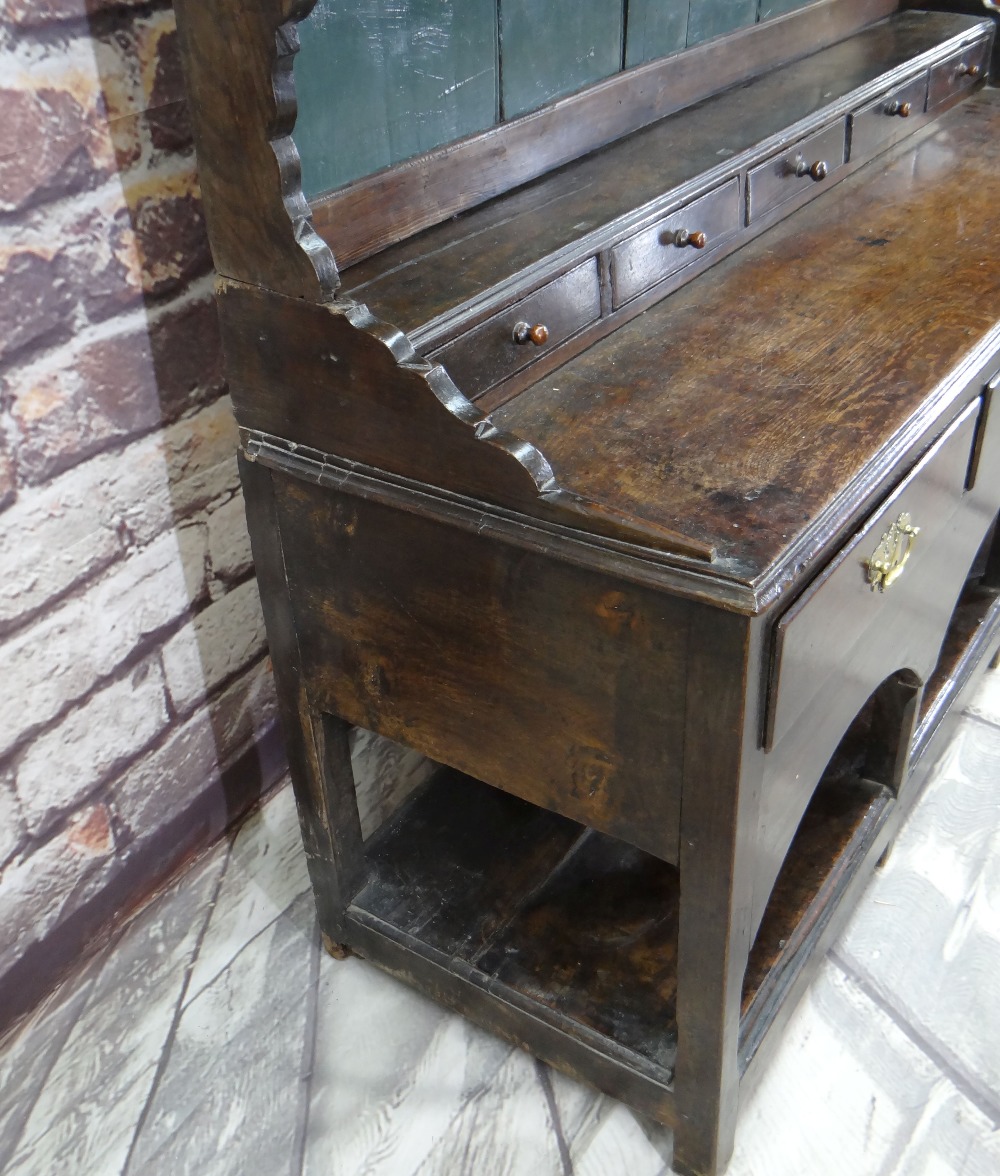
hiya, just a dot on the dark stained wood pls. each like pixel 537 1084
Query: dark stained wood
pixel 775 339
pixel 490 353
pixel 718 830
pixel 655 253
pixel 598 944
pixel 488 851
pixel 969 643
pixel 841 616
pixel 595 199
pixel 809 161
pixel 238 61
pixel 960 72
pixel 560 686
pixel 886 120
pixel 365 217
pixel 334 379
pixel 591 600
pixel 318 754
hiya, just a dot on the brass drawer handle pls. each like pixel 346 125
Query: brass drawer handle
pixel 815 171
pixel 968 71
pixel 901 108
pixel 697 239
pixel 526 333
pixel 889 558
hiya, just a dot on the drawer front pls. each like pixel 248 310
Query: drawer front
pixel 675 241
pixel 806 163
pixel 488 354
pixel 888 118
pixel 844 637
pixel 958 73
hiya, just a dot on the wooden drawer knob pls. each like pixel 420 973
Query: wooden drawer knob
pixel 681 237
pixel 901 108
pixel 815 171
pixel 526 333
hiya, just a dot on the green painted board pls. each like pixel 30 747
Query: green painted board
pixel 553 48
pixel 712 18
pixel 769 8
pixel 379 81
pixel 655 28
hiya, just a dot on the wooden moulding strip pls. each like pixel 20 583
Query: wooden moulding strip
pixel 388 206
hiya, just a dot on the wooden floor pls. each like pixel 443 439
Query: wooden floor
pixel 214 1037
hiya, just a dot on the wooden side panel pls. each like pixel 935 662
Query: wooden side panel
pixel 561 686
pixel 238 63
pixel 655 28
pixel 551 51
pixel 378 83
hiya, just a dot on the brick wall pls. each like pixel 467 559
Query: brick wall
pixel 136 704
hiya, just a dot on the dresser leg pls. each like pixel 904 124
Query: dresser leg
pixel 319 755
pixel 718 833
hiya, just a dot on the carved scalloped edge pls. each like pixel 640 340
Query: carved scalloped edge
pixel 554 500
pixel 286 105
pixel 450 397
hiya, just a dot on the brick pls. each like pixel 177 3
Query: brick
pixel 59 535
pixel 170 127
pixel 76 402
pixel 35 13
pixel 201 457
pixel 186 771
pixel 229 552
pixel 40 891
pixel 101 262
pixel 187 355
pixel 166 478
pixel 37 304
pixel 219 642
pixel 62 767
pixel 244 711
pixel 59 660
pixel 46 148
pixel 128 55
pixel 171 239
pixel 11 824
pixel 52 539
pixel 169 781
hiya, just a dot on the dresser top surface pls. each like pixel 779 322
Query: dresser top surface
pixel 768 393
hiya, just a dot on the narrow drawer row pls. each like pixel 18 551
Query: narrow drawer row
pixel 508 342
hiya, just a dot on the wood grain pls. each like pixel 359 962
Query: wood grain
pixel 641 422
pixel 238 62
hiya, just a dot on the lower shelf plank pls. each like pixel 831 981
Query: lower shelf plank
pixel 571 929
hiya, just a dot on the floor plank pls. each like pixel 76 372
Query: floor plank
pixel 93 1097
pixel 229 1098
pixel 927 940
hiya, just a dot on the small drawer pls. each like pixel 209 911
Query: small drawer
pixel 958 73
pixel 496 349
pixel 808 162
pixel 844 636
pixel 882 122
pixel 675 241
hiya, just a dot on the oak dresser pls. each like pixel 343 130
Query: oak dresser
pixel 625 442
